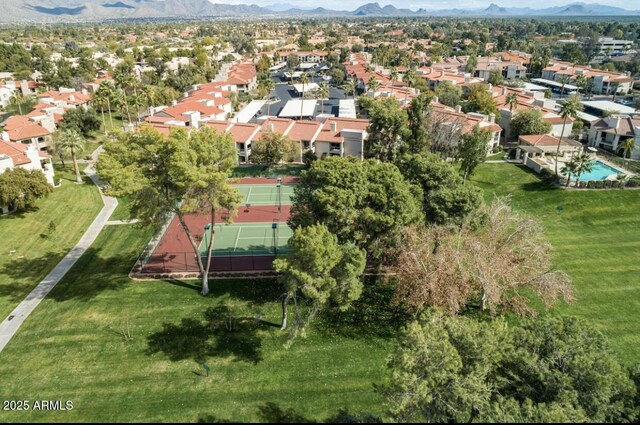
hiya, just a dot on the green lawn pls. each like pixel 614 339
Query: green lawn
pixel 25 256
pixel 74 347
pixel 596 235
pixel 123 210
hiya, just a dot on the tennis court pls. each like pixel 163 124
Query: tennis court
pixel 239 239
pixel 266 194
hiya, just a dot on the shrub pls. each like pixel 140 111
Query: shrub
pixel 633 182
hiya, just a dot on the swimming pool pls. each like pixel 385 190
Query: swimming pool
pixel 600 171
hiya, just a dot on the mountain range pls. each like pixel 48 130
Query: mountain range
pixel 79 10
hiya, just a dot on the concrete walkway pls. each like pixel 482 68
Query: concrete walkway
pixel 118 222
pixel 12 323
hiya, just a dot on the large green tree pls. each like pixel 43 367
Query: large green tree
pixel 445 197
pixel 554 369
pixel 20 188
pixel 321 270
pixel 472 150
pixel 170 176
pixel 418 116
pixel 366 202
pixel 530 121
pixel 480 99
pixel 272 148
pixel 210 191
pixel 388 129
pixel 82 120
pixel 448 93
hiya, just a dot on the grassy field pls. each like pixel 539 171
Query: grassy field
pixel 29 249
pixel 123 210
pixel 596 235
pixel 132 351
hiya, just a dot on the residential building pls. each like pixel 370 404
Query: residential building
pixel 604 82
pixel 24 156
pixel 608 132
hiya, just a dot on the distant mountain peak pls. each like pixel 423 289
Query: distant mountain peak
pixel 96 10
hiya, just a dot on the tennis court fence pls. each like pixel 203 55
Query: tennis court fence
pixel 225 261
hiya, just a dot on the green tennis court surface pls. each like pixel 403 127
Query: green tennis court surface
pixel 265 194
pixel 247 239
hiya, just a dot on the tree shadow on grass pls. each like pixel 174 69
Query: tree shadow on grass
pixel 255 292
pixel 19 275
pixel 373 315
pixel 221 334
pixel 273 413
pixel 91 275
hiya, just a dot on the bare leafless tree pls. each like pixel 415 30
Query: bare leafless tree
pixel 445 132
pixel 498 266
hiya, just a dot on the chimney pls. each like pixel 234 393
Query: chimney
pixel 84 91
pixel 72 98
pixel 614 121
pixel 185 94
pixel 24 87
pixel 174 102
pixel 490 87
pixel 504 91
pixel 492 118
pixel 271 126
pixel 5 136
pixel 435 99
pixel 458 109
pixel 194 118
pixel 334 126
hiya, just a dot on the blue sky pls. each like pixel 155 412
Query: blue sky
pixel 432 4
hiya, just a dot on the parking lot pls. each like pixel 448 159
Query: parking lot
pixel 284 92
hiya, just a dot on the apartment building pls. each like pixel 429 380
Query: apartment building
pixel 604 82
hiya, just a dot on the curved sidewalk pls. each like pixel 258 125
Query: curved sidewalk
pixel 12 323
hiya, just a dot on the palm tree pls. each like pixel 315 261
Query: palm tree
pixel 70 142
pixel 121 102
pixel 100 99
pixel 512 101
pixel 588 88
pixel 304 79
pixel 627 146
pixel 323 92
pixel 614 87
pixel 584 164
pixel 409 76
pixel 351 86
pixel 568 109
pixel 564 80
pixel 569 170
pixel 581 82
pixel 17 99
pixel 373 85
pixel 394 74
pixel 138 101
pixel 150 95
pixel 106 90
pixel 268 86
